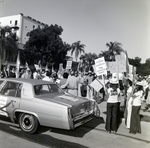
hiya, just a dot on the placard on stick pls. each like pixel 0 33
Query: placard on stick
pixel 100 66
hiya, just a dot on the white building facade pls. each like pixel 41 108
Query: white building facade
pixel 25 24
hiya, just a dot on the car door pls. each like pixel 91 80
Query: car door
pixel 10 95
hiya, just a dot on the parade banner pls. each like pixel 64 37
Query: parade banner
pixel 100 66
pixel 69 65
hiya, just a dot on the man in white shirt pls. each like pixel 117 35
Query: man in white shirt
pixel 72 84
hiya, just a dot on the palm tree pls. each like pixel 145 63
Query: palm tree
pixel 114 49
pixel 8 44
pixel 78 48
pixel 88 60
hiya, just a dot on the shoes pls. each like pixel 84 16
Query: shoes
pixel 139 132
pixel 131 132
pixel 108 131
pixel 111 132
pixel 114 132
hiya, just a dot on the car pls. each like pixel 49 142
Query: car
pixel 34 103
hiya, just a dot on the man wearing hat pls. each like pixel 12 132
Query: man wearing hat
pixel 27 74
pixel 71 84
pixel 89 80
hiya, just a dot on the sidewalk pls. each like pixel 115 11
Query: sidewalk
pixel 123 131
pixel 145 115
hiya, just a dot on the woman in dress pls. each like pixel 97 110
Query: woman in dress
pixel 129 105
pixel 147 106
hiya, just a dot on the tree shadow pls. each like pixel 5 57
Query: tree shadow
pixel 78 132
pixel 145 118
pixel 82 130
pixel 41 139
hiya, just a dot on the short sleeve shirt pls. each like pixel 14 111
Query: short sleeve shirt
pixel 113 95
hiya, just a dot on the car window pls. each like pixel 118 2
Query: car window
pixel 12 89
pixel 18 92
pixel 2 83
pixel 46 88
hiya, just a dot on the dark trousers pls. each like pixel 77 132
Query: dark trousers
pixel 112 117
pixel 135 125
pixel 83 90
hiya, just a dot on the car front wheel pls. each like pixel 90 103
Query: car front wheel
pixel 28 123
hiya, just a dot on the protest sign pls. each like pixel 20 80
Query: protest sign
pixel 100 66
pixel 69 65
pixel 60 66
pixel 96 85
pixel 112 67
pixel 36 66
pixel 121 63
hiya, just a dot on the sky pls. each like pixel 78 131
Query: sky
pixel 93 22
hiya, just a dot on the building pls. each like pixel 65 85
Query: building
pixel 25 24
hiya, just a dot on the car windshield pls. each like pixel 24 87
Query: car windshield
pixel 46 88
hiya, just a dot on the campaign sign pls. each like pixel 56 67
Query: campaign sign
pixel 100 66
pixel 112 67
pixel 69 65
pixel 61 66
pixel 121 63
pixel 96 85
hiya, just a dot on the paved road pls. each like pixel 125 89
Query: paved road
pixel 91 135
pixel 145 126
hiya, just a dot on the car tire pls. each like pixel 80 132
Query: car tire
pixel 28 123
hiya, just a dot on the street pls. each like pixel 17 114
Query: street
pixel 90 135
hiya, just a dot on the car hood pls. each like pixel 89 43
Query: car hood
pixel 64 99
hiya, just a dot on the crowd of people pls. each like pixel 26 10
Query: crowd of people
pixel 133 97
pixel 76 83
pixel 130 89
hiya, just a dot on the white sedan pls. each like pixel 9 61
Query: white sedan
pixel 32 103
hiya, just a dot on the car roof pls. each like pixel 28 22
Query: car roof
pixel 30 81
